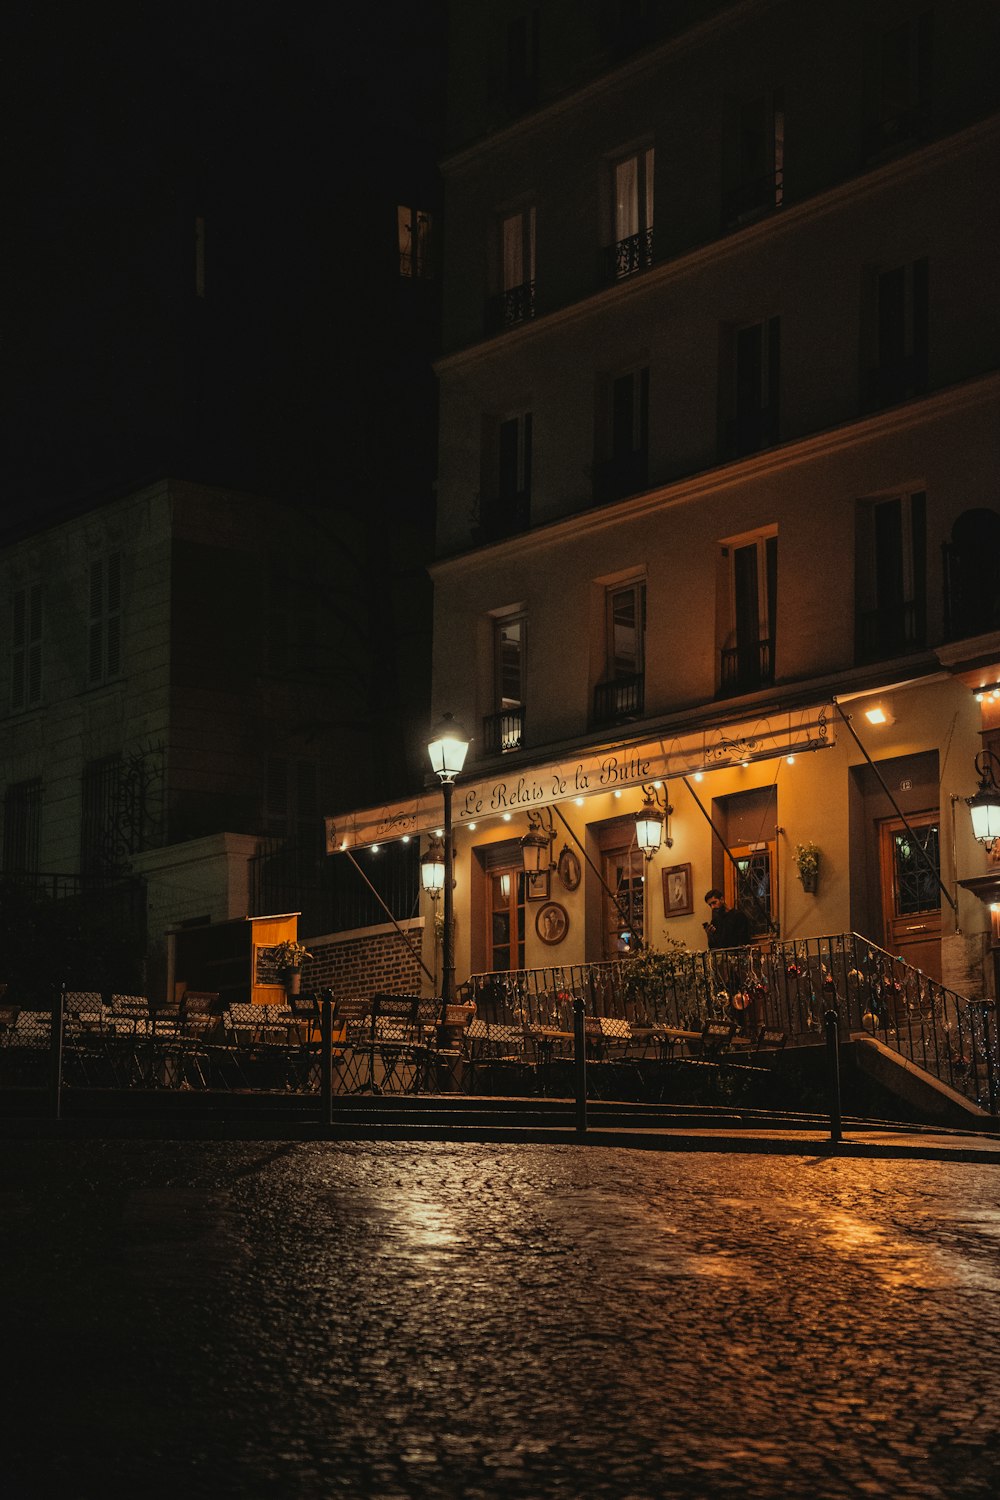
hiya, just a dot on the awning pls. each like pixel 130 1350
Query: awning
pixel 597 772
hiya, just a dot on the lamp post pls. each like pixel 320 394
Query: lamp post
pixel 447 750
pixel 984 805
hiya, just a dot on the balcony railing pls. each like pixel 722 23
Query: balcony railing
pixel 508 309
pixel 620 699
pixel 751 431
pixel 752 200
pixel 626 474
pixel 746 668
pixel 626 257
pixel 887 385
pixel 893 630
pixel 504 731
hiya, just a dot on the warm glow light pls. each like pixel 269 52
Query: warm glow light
pixel 789 760
pixel 579 801
pixel 406 838
pixel 472 827
pixel 618 793
pixel 879 714
pixel 448 748
pixel 506 817
pixel 697 775
pixel 374 848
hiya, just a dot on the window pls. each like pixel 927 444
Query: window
pixel 521 62
pixel 898 337
pixel 104 845
pixel 625 471
pixel 749 586
pixel 624 899
pixel 22 826
pixel 632 241
pixel 414 229
pixel 516 301
pixel 291 803
pixel 754 161
pixel 26 647
pixel 753 387
pixel 505 936
pixel 621 694
pixel 899 85
pixel 891 576
pixel 748 823
pixel 504 728
pixel 105 622
pixel 506 481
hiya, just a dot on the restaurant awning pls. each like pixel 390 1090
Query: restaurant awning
pixel 592 773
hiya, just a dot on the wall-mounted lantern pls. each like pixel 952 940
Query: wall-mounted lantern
pixel 652 821
pixel 984 805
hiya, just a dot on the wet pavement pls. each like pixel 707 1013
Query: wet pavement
pixel 410 1319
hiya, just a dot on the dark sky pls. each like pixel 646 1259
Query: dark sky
pixel 294 129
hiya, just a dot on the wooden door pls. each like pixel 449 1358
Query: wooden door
pixel 624 898
pixel 505 919
pixel 911 892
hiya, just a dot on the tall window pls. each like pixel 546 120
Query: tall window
pixel 26 647
pixel 521 61
pixel 626 468
pixel 754 165
pixel 22 826
pixel 105 619
pixel 104 841
pixel 414 226
pixel 291 801
pixel 516 302
pixel 505 935
pixel 750 583
pixel 891 575
pixel 621 694
pixel 754 387
pixel 632 244
pixel 899 337
pixel 899 85
pixel 506 480
pixel 504 728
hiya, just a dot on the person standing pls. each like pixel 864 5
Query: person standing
pixel 729 927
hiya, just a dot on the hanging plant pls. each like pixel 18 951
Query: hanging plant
pixel 807 861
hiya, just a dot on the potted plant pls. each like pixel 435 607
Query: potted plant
pixel 807 859
pixel 287 958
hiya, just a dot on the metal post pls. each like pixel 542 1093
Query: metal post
pixel 326 1057
pixel 448 940
pixel 58 1022
pixel 580 1060
pixel 832 1023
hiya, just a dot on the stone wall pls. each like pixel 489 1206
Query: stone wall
pixel 367 961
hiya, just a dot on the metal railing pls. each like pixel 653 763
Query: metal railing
pixel 504 731
pixel 625 257
pixel 744 668
pixel 513 306
pixel 786 987
pixel 620 699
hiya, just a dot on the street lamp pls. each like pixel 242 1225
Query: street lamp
pixel 536 844
pixel 447 749
pixel 984 805
pixel 432 867
pixel 651 821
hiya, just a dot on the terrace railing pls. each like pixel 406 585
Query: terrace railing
pixel 784 986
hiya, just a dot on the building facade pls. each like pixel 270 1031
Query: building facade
pixel 719 467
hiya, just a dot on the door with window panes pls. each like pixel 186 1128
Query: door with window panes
pixel 752 884
pixel 505 919
pixel 624 900
pixel 910 864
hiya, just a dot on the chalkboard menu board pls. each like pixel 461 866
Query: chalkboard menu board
pixel 266 969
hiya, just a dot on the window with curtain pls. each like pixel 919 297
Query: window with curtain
pixel 632 241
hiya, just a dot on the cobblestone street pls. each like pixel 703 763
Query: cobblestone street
pixel 477 1320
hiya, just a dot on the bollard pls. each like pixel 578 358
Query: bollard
pixel 326 1057
pixel 832 1023
pixel 58 1023
pixel 580 1061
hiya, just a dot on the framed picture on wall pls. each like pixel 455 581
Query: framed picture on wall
pixel 539 886
pixel 552 922
pixel 678 899
pixel 569 868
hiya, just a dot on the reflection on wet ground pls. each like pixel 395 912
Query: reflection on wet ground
pixel 474 1320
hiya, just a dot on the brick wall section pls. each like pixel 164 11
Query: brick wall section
pixel 366 962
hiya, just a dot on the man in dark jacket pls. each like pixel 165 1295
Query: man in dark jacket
pixel 728 928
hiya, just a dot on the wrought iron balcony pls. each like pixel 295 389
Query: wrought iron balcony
pixel 751 431
pixel 893 630
pixel 746 668
pixel 752 200
pixel 628 256
pixel 886 385
pixel 621 699
pixel 504 731
pixel 623 475
pixel 508 309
